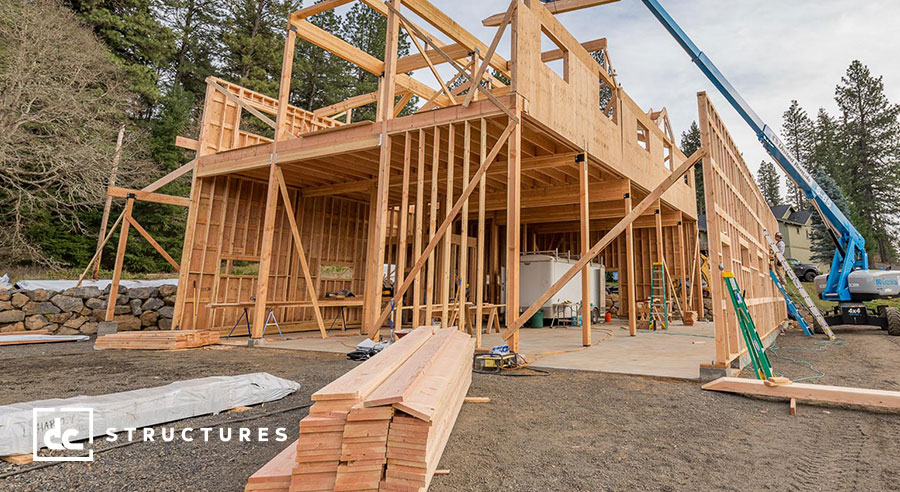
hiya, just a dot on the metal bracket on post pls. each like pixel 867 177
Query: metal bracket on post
pixel 579 158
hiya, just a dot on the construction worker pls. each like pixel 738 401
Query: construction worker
pixel 779 243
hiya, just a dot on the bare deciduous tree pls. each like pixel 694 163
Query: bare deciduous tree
pixel 61 102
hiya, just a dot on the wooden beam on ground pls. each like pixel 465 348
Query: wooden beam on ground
pixel 172 176
pixel 146 196
pixel 646 203
pixel 159 249
pixel 809 392
pixel 557 7
pixel 298 243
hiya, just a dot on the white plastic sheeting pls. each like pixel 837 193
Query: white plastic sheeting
pixel 43 338
pixel 61 285
pixel 139 408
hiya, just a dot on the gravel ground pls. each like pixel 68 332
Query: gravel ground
pixel 565 431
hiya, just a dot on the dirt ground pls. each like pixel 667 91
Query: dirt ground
pixel 564 431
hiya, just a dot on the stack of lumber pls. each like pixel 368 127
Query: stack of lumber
pixel 384 424
pixel 157 340
pixel 276 474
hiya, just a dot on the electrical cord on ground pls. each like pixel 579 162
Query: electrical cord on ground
pixel 129 443
pixel 820 346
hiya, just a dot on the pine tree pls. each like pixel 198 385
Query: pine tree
pixel 320 78
pixel 767 179
pixel 825 151
pixel 253 42
pixel 196 26
pixel 690 142
pixel 870 155
pixel 138 41
pixel 821 244
pixel 797 131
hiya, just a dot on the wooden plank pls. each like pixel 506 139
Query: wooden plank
pixel 318 8
pixel 159 249
pixel 275 475
pixel 120 260
pixel 556 7
pixel 808 392
pixel 645 204
pixel 172 176
pixel 490 53
pixel 145 196
pixel 298 244
pixel 590 46
pixel 404 223
pixel 347 104
pixel 585 240
pixel 398 386
pixel 479 260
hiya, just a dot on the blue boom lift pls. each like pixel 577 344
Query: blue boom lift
pixel 850 281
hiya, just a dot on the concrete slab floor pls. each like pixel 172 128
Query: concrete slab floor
pixel 673 353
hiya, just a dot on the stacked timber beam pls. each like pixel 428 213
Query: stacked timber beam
pixel 157 340
pixel 384 424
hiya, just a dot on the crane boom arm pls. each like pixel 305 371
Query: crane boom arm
pixel 851 253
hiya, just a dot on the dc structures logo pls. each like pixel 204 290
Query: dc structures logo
pixel 63 429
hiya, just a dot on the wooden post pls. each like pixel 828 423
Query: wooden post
pixel 629 266
pixel 464 233
pixel 513 229
pixel 432 225
pixel 417 242
pixel 120 259
pixel 584 199
pixel 106 206
pixel 479 259
pixel 446 286
pixel 697 285
pixel 376 241
pixel 402 231
pixel 682 265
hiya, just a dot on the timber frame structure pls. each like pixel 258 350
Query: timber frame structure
pixel 437 205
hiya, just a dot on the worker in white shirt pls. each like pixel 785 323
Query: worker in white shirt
pixel 779 243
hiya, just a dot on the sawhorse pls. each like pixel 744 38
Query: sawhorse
pixel 246 316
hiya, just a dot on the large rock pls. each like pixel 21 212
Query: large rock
pixel 68 304
pixel 125 309
pixel 5 295
pixel 122 300
pixel 167 290
pixel 127 323
pixel 11 316
pixel 60 318
pixel 6 305
pixel 99 315
pixel 67 331
pixel 170 300
pixel 89 328
pixel 136 307
pixel 165 324
pixel 149 318
pixel 152 304
pixel 39 295
pixel 12 327
pixel 76 322
pixel 85 292
pixel 36 322
pixel 96 303
pixel 40 308
pixel 122 289
pixel 19 299
pixel 142 292
pixel 167 312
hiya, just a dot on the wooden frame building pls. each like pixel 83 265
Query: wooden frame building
pixel 437 205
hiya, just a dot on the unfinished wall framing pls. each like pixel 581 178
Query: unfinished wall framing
pixel 737 213
pixel 434 207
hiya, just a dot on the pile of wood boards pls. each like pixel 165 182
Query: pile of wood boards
pixel 157 340
pixel 384 424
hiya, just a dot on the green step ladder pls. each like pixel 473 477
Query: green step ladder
pixel 748 328
pixel 659 308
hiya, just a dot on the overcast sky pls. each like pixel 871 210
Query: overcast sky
pixel 772 51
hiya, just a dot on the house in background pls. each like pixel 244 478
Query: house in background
pixel 795 230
